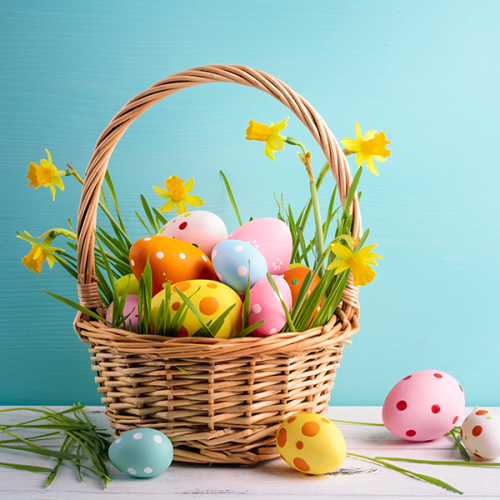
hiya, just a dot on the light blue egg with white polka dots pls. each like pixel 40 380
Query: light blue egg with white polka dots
pixel 141 453
pixel 230 260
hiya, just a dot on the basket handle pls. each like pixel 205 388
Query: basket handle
pixel 94 176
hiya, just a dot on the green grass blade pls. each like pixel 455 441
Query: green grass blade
pixel 217 324
pixel 29 468
pixel 246 305
pixel 77 306
pixel 144 224
pixel 195 311
pixel 111 189
pixel 149 215
pixel 289 321
pixel 248 329
pixel 231 198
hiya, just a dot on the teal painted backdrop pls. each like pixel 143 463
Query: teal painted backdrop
pixel 424 72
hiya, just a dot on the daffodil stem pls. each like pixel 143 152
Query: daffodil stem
pixel 295 142
pixel 322 175
pixel 347 152
pixel 317 213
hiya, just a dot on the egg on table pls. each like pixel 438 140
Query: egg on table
pixel 200 228
pixel 211 300
pixel 311 443
pixel 170 259
pixel 423 406
pixel 272 238
pixel 265 305
pixel 480 434
pixel 141 453
pixel 230 261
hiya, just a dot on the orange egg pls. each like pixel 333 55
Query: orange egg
pixel 170 259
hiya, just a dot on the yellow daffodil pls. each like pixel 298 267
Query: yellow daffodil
pixel 46 175
pixel 177 195
pixel 39 251
pixel 371 147
pixel 269 135
pixel 358 263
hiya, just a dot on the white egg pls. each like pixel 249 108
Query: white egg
pixel 481 434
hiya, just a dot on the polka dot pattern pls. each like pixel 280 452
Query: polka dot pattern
pixel 183 226
pixel 209 306
pixel 299 445
pixel 301 464
pixel 402 405
pixel 477 430
pixel 310 429
pixel 281 438
pixel 411 433
pixel 435 409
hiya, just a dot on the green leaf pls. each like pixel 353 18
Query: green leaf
pixel 111 189
pixel 182 370
pixel 149 215
pixel 195 311
pixel 441 462
pixel 285 308
pixel 29 468
pixel 217 324
pixel 231 198
pixel 144 224
pixel 246 304
pixel 248 329
pixel 77 306
pixel 44 452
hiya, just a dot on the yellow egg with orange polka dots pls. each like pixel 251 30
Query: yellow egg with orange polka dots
pixel 211 299
pixel 311 443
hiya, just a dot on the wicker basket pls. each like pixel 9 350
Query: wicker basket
pixel 238 391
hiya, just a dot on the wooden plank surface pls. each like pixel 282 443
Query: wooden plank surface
pixel 268 480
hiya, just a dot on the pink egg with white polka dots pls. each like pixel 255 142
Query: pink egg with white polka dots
pixel 423 406
pixel 265 304
pixel 200 228
pixel 272 238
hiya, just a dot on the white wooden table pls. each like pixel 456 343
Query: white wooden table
pixel 268 480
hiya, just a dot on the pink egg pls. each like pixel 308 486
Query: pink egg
pixel 200 228
pixel 423 406
pixel 266 305
pixel 272 238
pixel 131 307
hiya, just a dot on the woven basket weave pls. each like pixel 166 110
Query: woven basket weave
pixel 228 408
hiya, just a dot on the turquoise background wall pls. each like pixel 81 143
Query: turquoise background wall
pixel 424 72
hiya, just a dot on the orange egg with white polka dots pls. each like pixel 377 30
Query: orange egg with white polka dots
pixel 311 443
pixel 170 260
pixel 210 298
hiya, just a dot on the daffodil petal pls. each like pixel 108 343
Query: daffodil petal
pixel 278 127
pixel 379 158
pixel 181 208
pixel 370 135
pixel 194 201
pixel 360 158
pixel 351 145
pixel 167 207
pixel 189 185
pixel 162 192
pixel 341 251
pixel 58 182
pixel 371 165
pixel 276 142
pixel 268 151
pixel 53 189
pixel 359 135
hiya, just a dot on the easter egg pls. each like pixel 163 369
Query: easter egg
pixel 141 452
pixel 265 304
pixel 230 260
pixel 130 309
pixel 297 264
pixel 295 277
pixel 211 300
pixel 170 259
pixel 272 238
pixel 423 406
pixel 311 443
pixel 131 281
pixel 481 434
pixel 200 228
